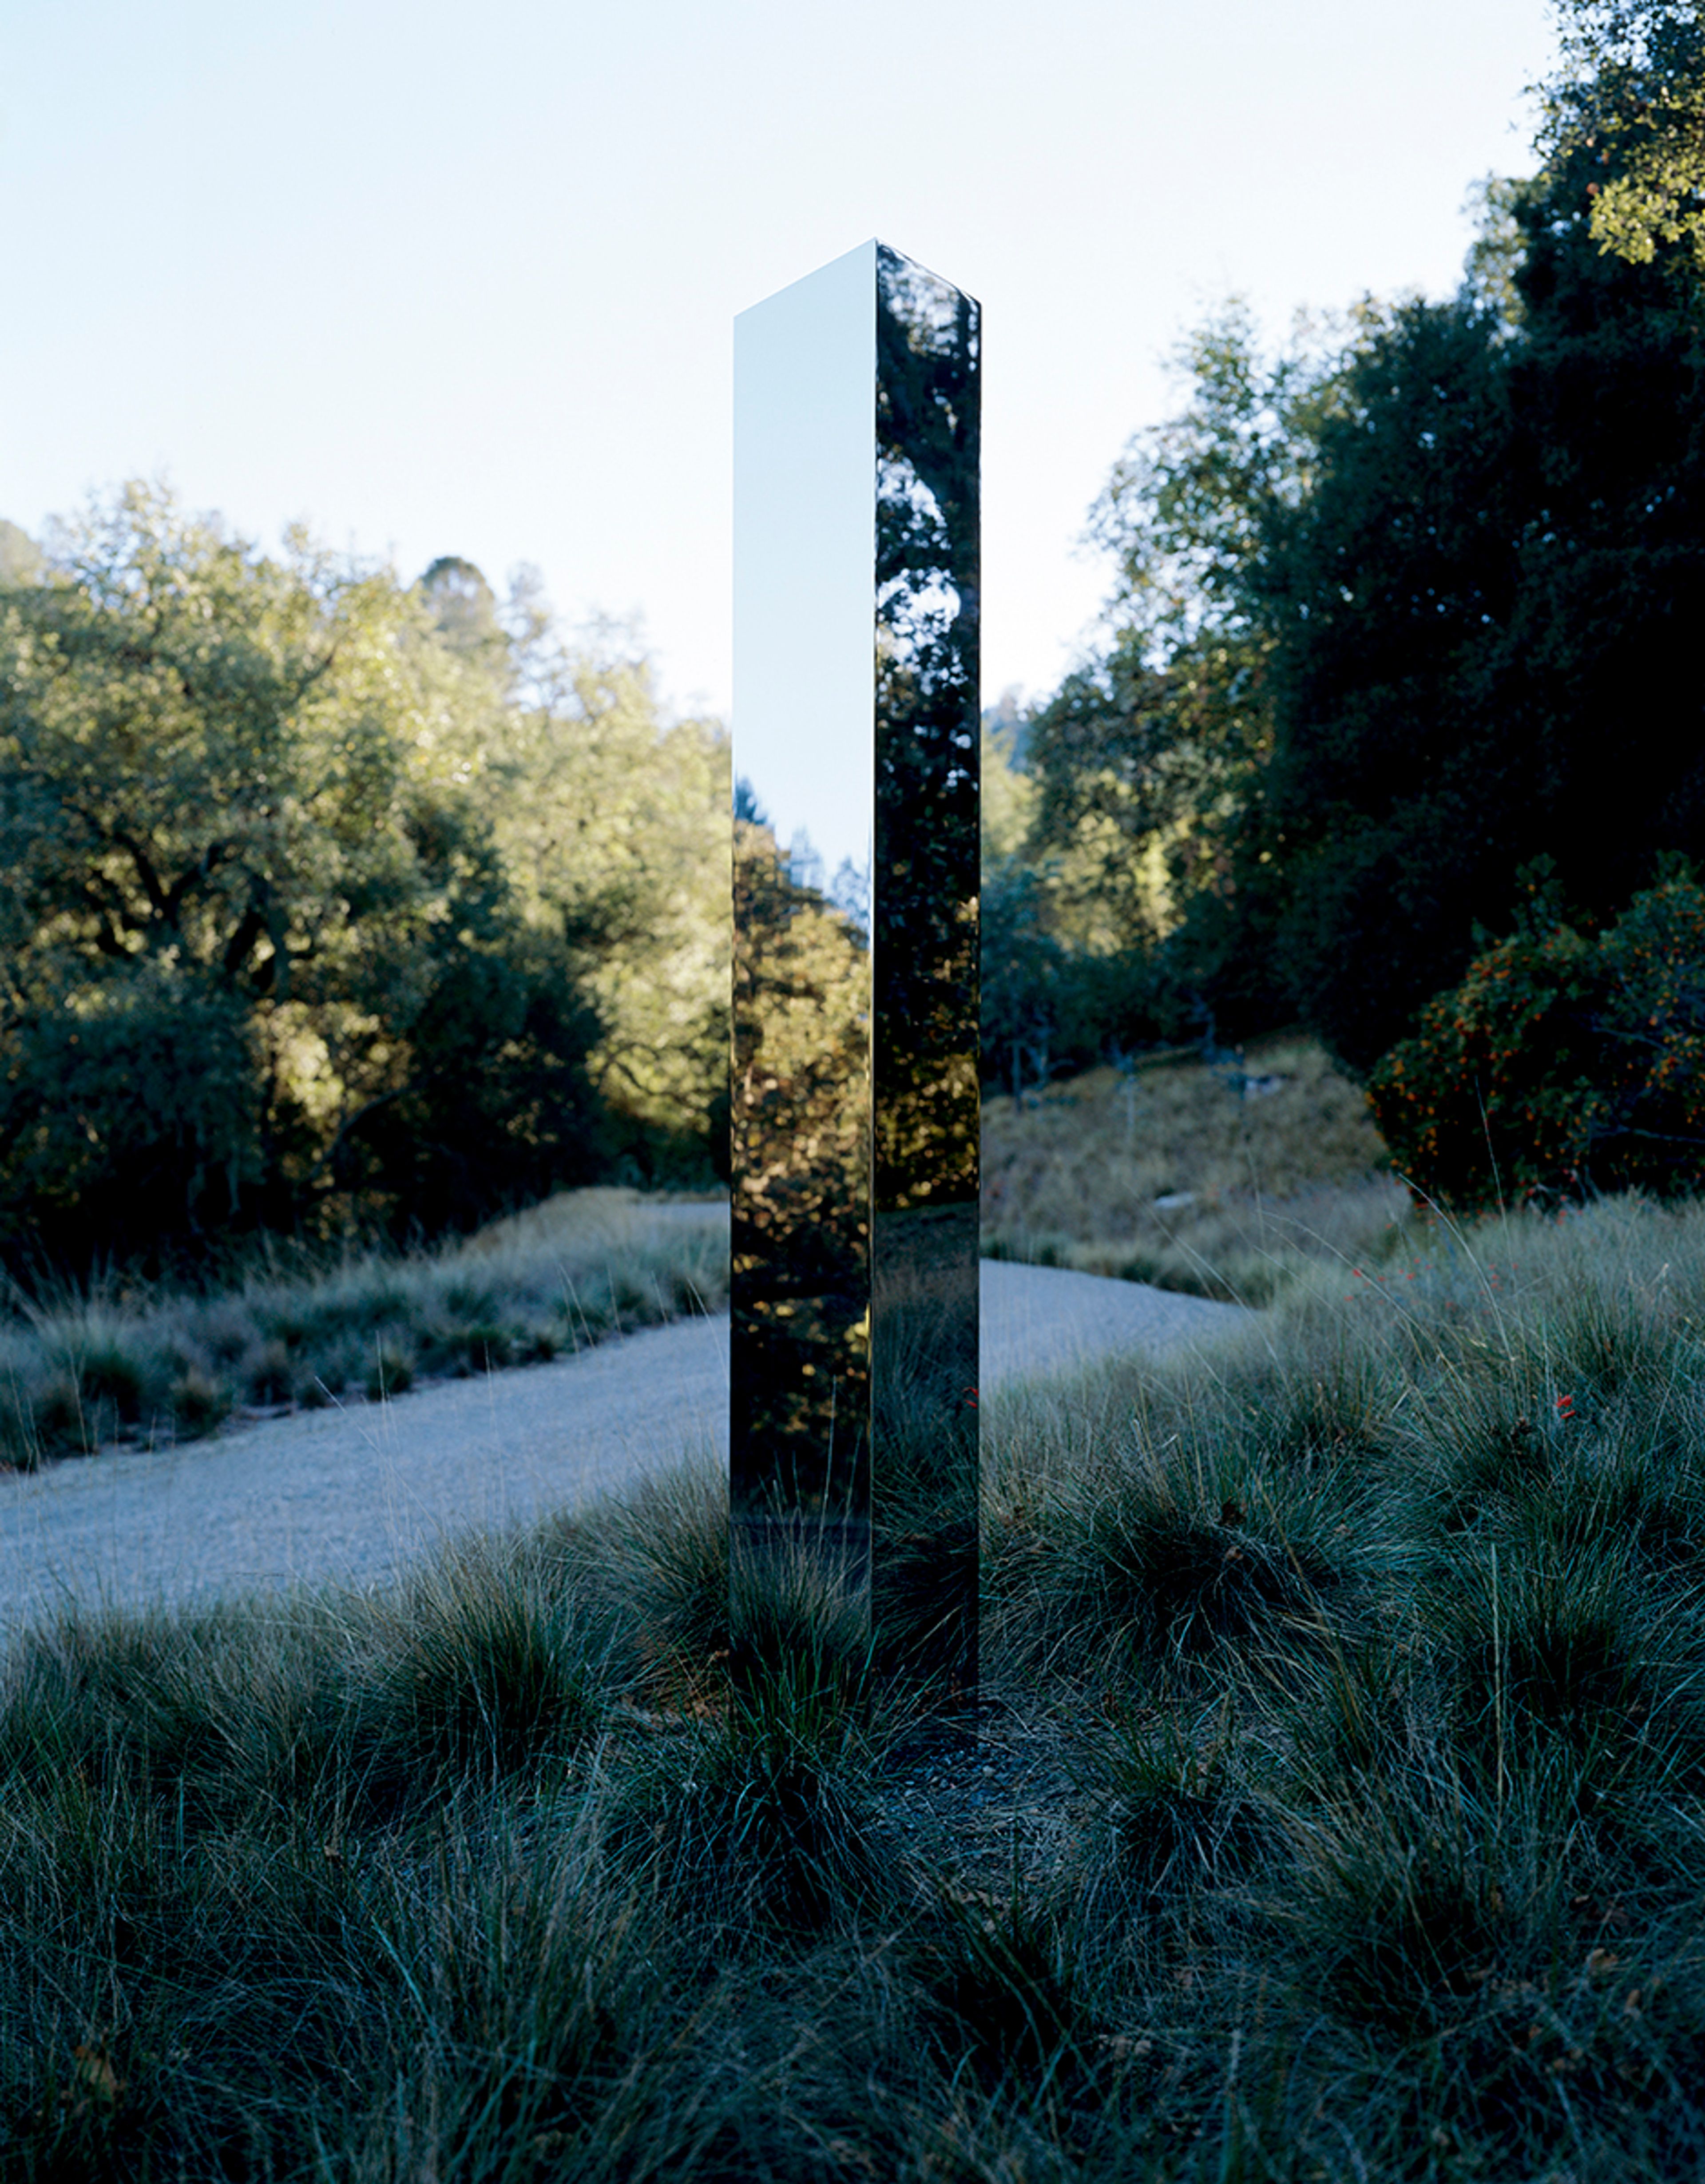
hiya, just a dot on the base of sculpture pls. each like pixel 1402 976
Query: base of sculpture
pixel 836 1550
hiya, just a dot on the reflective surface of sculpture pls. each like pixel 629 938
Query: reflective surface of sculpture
pixel 855 1095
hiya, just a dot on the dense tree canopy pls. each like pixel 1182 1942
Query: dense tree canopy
pixel 1486 615
pixel 277 946
pixel 1144 749
pixel 1629 95
pixel 615 826
pixel 1142 763
pixel 1397 612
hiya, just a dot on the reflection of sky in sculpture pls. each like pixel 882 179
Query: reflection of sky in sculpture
pixel 855 1095
pixel 804 366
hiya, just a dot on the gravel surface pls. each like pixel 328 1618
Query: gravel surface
pixel 350 1494
pixel 1040 1320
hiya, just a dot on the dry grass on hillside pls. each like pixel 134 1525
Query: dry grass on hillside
pixel 1222 1181
pixel 118 1363
pixel 605 1217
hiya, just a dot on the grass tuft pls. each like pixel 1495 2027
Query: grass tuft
pixel 123 1364
pixel 1335 1808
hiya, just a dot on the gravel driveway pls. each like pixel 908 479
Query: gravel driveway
pixel 349 1494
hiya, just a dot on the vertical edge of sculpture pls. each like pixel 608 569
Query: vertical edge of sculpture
pixel 924 1187
pixel 801 1104
pixel 855 1023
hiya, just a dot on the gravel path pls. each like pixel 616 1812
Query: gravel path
pixel 1039 1320
pixel 351 1494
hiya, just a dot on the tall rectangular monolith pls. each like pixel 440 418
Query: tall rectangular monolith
pixel 854 1089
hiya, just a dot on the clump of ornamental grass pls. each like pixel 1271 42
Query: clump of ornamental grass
pixel 122 1362
pixel 1335 1806
pixel 754 1809
pixel 1179 1832
pixel 657 1560
pixel 476 1670
pixel 1480 1956
pixel 1199 1522
pixel 1471 1774
pixel 1005 1992
pixel 251 2004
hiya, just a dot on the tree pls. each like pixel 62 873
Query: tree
pixel 1630 96
pixel 1148 758
pixel 614 824
pixel 1146 754
pixel 20 557
pixel 252 916
pixel 463 608
pixel 801 1268
pixel 1484 612
pixel 1021 967
pixel 1407 607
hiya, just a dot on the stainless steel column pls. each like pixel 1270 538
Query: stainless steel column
pixel 855 1097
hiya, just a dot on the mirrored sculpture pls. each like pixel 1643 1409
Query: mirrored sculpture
pixel 855 1091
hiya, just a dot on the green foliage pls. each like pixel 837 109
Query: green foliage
pixel 253 919
pixel 1022 968
pixel 146 1083
pixel 1484 593
pixel 1113 803
pixel 1630 93
pixel 1145 758
pixel 21 558
pixel 614 825
pixel 330 904
pixel 803 975
pixel 1062 979
pixel 1387 600
pixel 1561 1064
pixel 1007 793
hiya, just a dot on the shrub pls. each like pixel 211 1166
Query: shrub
pixel 113 1376
pixel 391 1373
pixel 483 1670
pixel 1563 1065
pixel 756 1812
pixel 60 1427
pixel 199 1402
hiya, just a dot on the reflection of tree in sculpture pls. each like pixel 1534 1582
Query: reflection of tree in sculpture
pixel 926 880
pixel 924 1361
pixel 801 1243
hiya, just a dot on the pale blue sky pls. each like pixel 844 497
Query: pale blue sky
pixel 462 280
